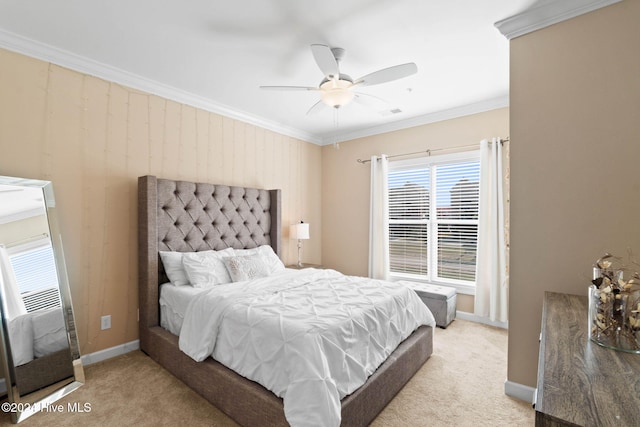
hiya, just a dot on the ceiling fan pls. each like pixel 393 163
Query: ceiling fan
pixel 337 89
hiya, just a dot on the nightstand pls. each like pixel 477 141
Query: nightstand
pixel 295 266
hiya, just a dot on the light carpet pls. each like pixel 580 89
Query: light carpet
pixel 462 384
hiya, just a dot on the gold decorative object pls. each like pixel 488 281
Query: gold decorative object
pixel 614 306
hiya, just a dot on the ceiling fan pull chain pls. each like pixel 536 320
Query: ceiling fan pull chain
pixel 336 145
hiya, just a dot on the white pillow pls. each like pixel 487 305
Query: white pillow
pixel 206 268
pixel 172 262
pixel 269 257
pixel 49 332
pixel 246 267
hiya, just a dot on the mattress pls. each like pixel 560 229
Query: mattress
pixel 174 301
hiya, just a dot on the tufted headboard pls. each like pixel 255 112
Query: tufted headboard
pixel 187 216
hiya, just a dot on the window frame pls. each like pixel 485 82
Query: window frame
pixel 463 287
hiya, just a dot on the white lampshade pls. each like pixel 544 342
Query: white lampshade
pixel 299 231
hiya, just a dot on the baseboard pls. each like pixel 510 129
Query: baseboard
pixel 108 353
pixel 519 391
pixel 478 319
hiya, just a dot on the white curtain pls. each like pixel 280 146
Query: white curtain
pixel 379 219
pixel 492 281
pixel 12 299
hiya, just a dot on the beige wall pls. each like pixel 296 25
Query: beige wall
pixel 575 152
pixel 93 138
pixel 345 183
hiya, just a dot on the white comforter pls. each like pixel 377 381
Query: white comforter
pixel 310 336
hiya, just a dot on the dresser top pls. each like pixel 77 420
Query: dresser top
pixel 580 382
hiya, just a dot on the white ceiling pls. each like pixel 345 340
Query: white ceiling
pixel 219 52
pixel 20 202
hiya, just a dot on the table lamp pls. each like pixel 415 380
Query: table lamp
pixel 300 232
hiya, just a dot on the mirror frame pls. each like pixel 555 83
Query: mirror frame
pixel 26 405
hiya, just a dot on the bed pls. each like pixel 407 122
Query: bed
pixel 40 349
pixel 171 219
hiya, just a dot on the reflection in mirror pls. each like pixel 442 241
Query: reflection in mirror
pixel 40 352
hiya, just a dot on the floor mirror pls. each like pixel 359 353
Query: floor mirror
pixel 39 350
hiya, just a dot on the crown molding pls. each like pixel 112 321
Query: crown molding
pixel 63 58
pixel 546 13
pixel 452 113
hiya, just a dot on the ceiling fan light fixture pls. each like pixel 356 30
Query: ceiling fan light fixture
pixel 336 93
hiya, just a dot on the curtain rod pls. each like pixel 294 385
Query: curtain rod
pixel 26 240
pixel 428 152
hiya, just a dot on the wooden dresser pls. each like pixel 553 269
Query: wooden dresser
pixel 580 382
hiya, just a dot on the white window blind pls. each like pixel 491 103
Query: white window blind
pixel 436 237
pixel 457 190
pixel 37 279
pixel 408 221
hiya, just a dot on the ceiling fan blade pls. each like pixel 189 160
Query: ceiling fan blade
pixel 370 100
pixel 387 74
pixel 325 60
pixel 316 108
pixel 288 87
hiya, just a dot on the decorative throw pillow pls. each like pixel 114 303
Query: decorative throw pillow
pixel 172 262
pixel 206 268
pixel 246 267
pixel 269 257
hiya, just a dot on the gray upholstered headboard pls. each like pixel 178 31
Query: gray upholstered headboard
pixel 187 216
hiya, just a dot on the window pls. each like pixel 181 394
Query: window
pixel 433 218
pixel 34 267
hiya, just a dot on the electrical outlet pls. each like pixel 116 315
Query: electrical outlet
pixel 105 322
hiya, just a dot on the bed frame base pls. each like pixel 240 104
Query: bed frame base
pixel 250 404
